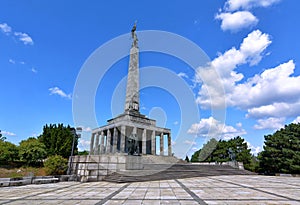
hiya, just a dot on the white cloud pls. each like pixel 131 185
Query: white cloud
pixel 270 123
pixel 175 123
pixel 182 75
pixel 58 91
pixel 273 93
pixel 5 28
pixel 239 124
pixel 84 144
pixel 212 92
pixel 254 150
pixel 86 129
pixel 233 5
pixel 7 133
pixel 297 120
pixel 236 14
pixel 33 70
pixel 24 37
pixel 275 110
pixel 189 142
pixel 210 127
pixel 12 61
pixel 237 20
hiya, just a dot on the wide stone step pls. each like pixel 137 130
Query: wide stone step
pixel 175 172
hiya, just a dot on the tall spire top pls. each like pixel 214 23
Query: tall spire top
pixel 133 35
pixel 132 90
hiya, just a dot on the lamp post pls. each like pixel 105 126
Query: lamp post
pixel 74 133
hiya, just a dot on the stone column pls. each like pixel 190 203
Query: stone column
pixel 162 144
pixel 96 149
pixel 122 139
pixel 115 140
pixel 169 144
pixel 102 143
pixel 92 144
pixel 153 143
pixel 108 138
pixel 144 140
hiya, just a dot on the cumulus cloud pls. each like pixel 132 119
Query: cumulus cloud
pixel 273 93
pixel 86 129
pixel 34 70
pixel 237 20
pixel 182 75
pixel 5 28
pixel 233 5
pixel 60 92
pixel 251 51
pixel 254 149
pixel 7 133
pixel 210 127
pixel 189 142
pixel 24 37
pixel 84 144
pixel 297 120
pixel 270 123
pixel 12 61
pixel 270 97
pixel 236 14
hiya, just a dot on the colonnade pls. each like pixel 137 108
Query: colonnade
pixel 114 140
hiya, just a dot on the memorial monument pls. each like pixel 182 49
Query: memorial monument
pixel 126 140
pixel 131 126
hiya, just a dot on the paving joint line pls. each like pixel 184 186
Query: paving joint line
pixel 33 195
pixel 256 189
pixel 112 194
pixel 192 194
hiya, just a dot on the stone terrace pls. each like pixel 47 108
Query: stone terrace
pixel 239 189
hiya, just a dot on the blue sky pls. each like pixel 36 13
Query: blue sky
pixel 252 45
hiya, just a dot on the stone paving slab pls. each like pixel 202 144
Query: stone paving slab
pixel 251 189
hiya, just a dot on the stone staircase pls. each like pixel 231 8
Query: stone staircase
pixel 156 159
pixel 175 171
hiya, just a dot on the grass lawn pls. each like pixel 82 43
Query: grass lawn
pixel 22 172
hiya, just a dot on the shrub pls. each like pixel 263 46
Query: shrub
pixel 56 165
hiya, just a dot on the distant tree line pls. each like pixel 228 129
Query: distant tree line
pixel 55 142
pixel 281 152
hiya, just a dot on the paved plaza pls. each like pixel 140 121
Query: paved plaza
pixel 199 190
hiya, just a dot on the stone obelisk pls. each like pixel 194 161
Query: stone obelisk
pixel 132 101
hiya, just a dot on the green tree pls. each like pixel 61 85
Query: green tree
pixel 2 138
pixel 281 153
pixel 8 152
pixel 217 151
pixel 56 165
pixel 203 154
pixel 84 152
pixel 58 140
pixel 32 151
pixel 240 148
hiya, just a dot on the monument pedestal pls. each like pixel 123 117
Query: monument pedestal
pixel 97 167
pixel 134 162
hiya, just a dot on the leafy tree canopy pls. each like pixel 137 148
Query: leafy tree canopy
pixel 217 151
pixel 2 138
pixel 32 151
pixel 58 140
pixel 8 151
pixel 56 165
pixel 281 153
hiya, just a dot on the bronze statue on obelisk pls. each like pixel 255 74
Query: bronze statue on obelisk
pixel 132 90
